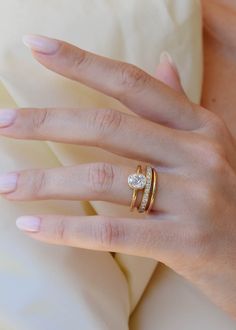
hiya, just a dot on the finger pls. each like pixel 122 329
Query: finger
pixel 149 238
pixel 138 90
pixel 95 181
pixel 126 135
pixel 167 72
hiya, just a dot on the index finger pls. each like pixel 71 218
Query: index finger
pixel 125 82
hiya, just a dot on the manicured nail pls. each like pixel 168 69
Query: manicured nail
pixel 28 223
pixel 41 44
pixel 166 57
pixel 7 116
pixel 8 182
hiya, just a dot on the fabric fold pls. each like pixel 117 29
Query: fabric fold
pixel 133 31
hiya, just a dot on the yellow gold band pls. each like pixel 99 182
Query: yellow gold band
pixel 147 184
pixel 135 191
pixel 153 190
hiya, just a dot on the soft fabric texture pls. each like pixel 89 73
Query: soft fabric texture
pixel 54 287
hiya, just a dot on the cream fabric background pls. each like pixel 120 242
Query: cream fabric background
pixel 52 287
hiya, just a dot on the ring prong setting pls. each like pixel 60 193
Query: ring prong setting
pixel 137 181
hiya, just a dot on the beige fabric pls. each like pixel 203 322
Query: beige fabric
pixel 51 287
pixel 172 303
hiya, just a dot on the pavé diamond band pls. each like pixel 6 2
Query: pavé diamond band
pixel 147 183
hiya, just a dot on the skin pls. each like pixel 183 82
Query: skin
pixel 219 18
pixel 192 227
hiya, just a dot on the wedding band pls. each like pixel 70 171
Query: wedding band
pixel 154 190
pixel 147 191
pixel 147 184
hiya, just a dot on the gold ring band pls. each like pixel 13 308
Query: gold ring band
pixel 135 191
pixel 147 190
pixel 147 184
pixel 154 190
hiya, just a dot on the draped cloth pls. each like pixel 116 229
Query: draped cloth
pixel 45 286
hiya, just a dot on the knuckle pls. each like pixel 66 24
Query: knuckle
pixel 38 183
pixel 40 118
pixel 218 125
pixel 109 233
pixel 215 126
pixel 213 155
pixel 206 200
pixel 217 161
pixel 100 177
pixel 216 156
pixel 80 59
pixel 105 122
pixel 60 230
pixel 132 77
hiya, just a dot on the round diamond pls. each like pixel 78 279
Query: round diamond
pixel 137 181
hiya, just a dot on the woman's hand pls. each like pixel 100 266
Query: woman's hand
pixel 192 228
pixel 219 17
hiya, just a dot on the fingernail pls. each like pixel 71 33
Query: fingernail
pixel 41 44
pixel 8 182
pixel 28 223
pixel 166 57
pixel 7 116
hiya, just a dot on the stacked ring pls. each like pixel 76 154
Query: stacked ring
pixel 147 184
pixel 154 190
pixel 135 191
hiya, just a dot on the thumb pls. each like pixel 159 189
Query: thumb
pixel 167 72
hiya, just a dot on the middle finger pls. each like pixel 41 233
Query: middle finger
pixel 126 135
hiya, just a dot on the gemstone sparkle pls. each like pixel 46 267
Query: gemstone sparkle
pixel 137 181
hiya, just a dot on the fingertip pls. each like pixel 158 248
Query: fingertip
pixel 41 44
pixel 167 72
pixel 166 58
pixel 28 223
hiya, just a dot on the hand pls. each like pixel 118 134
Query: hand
pixel 219 18
pixel 192 228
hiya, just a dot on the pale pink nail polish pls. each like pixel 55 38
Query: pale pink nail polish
pixel 41 44
pixel 28 223
pixel 7 117
pixel 166 57
pixel 8 182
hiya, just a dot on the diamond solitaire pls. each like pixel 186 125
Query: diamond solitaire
pixel 145 185
pixel 137 181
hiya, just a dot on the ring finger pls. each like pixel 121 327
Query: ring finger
pixel 95 181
